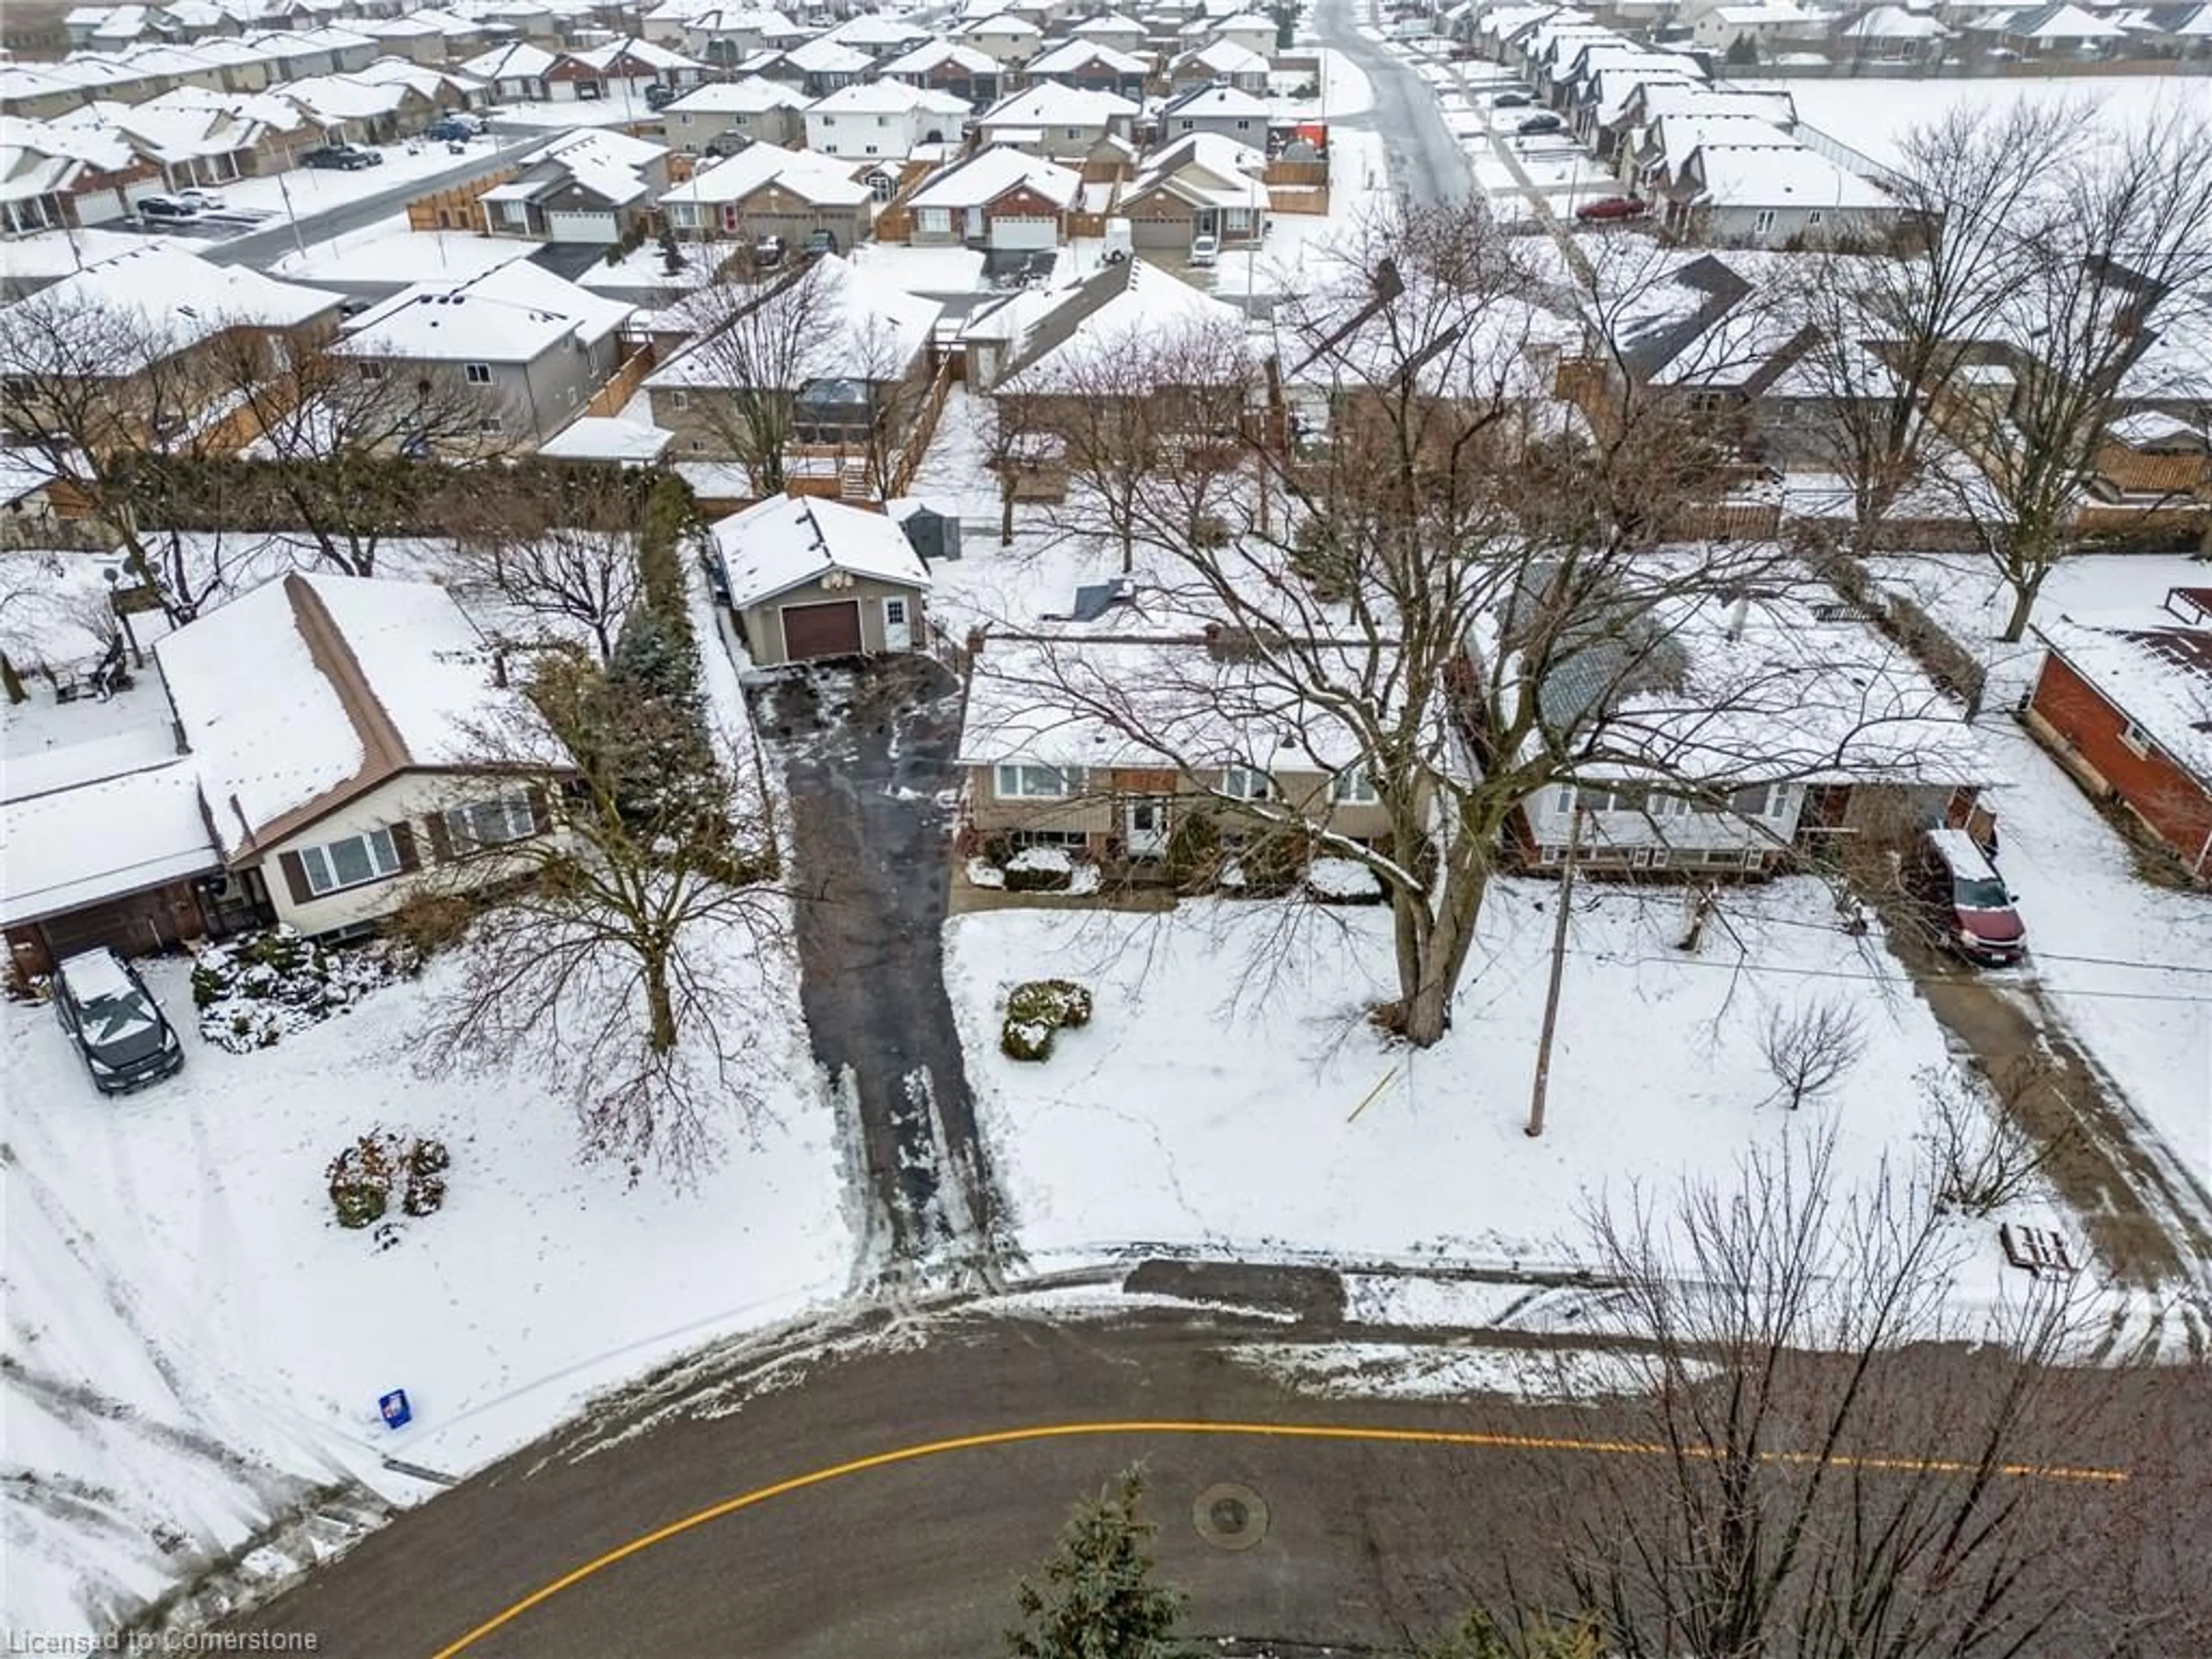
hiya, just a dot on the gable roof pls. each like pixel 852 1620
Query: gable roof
pixel 2153 667
pixel 1056 104
pixel 822 180
pixel 990 173
pixel 313 689
pixel 186 298
pixel 1104 314
pixel 753 95
pixel 511 313
pixel 1215 102
pixel 788 541
pixel 1070 55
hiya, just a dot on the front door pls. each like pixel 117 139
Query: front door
pixel 1144 826
pixel 898 631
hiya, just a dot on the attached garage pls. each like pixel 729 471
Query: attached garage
pixel 822 630
pixel 1020 233
pixel 576 226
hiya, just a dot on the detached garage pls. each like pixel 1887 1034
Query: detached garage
pixel 810 579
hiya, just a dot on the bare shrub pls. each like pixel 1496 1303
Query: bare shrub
pixel 1983 1159
pixel 1810 1048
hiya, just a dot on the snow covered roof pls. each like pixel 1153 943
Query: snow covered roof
pixel 1070 55
pixel 1895 23
pixel 2152 667
pixel 788 541
pixel 1216 103
pixel 1767 175
pixel 101 839
pixel 808 174
pixel 643 53
pixel 511 313
pixel 311 690
pixel 824 56
pixel 1106 315
pixel 189 299
pixel 990 173
pixel 885 98
pixel 753 95
pixel 1225 58
pixel 933 54
pixel 398 258
pixel 2061 22
pixel 520 61
pixel 1055 103
pixel 607 438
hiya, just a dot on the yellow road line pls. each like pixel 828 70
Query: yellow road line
pixel 1265 1431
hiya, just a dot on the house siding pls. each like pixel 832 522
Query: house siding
pixel 1099 811
pixel 2075 719
pixel 412 800
pixel 763 623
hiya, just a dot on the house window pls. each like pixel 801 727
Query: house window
pixel 1759 801
pixel 1764 223
pixel 349 863
pixel 829 121
pixel 679 400
pixel 490 822
pixel 1814 216
pixel 883 120
pixel 1246 783
pixel 1352 787
pixel 870 149
pixel 882 186
pixel 1019 781
pixel 1074 132
pixel 477 373
pixel 372 371
pixel 936 222
pixel 2137 741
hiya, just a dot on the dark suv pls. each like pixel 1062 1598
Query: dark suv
pixel 1968 900
pixel 115 1022
pixel 342 158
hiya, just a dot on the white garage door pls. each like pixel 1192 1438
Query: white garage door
pixel 1023 233
pixel 582 227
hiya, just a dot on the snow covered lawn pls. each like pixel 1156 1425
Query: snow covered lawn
pixel 174 1252
pixel 1285 1122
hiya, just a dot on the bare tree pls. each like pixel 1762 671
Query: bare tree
pixel 1983 1159
pixel 563 557
pixel 758 341
pixel 1443 594
pixel 2111 280
pixel 882 357
pixel 90 390
pixel 1810 1048
pixel 335 435
pixel 1818 1475
pixel 1887 325
pixel 619 950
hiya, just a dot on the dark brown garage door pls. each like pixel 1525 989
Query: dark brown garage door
pixel 822 630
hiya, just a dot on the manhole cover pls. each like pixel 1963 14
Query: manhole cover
pixel 1230 1516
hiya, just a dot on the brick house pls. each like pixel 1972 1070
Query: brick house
pixel 2124 702
pixel 999 198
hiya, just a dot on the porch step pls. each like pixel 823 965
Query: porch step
pixel 852 481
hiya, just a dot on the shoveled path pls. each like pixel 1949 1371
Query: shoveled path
pixel 867 752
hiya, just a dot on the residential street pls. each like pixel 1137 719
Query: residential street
pixel 1425 160
pixel 261 247
pixel 1362 1544
pixel 866 753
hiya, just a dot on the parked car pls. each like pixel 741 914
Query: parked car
pixel 452 129
pixel 1204 250
pixel 342 158
pixel 767 253
pixel 1967 898
pixel 821 241
pixel 660 95
pixel 1542 121
pixel 725 144
pixel 207 201
pixel 1613 207
pixel 1511 101
pixel 117 1027
pixel 167 210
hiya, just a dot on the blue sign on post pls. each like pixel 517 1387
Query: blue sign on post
pixel 396 1411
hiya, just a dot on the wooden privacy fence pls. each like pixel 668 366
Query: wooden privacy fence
pixel 609 398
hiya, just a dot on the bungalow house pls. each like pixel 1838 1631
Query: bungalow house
pixel 1049 748
pixel 1064 339
pixel 885 120
pixel 1200 185
pixel 768 191
pixel 848 350
pixel 753 111
pixel 1220 62
pixel 1717 736
pixel 1220 112
pixel 1066 123
pixel 516 73
pixel 1008 41
pixel 1764 31
pixel 62 178
pixel 533 346
pixel 1629 134
pixel 882 35
pixel 1091 65
pixel 721 37
pixel 808 578
pixel 1657 152
pixel 948 66
pixel 2124 701
pixel 1892 34
pixel 329 721
pixel 2059 30
pixel 592 185
pixel 996 199
pixel 1112 30
pixel 1765 195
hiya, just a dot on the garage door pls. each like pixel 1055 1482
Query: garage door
pixel 582 227
pixel 822 630
pixel 1023 233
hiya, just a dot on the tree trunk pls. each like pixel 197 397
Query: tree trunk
pixel 2024 590
pixel 660 1006
pixel 1007 508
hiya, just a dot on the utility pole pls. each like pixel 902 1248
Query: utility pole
pixel 1559 966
